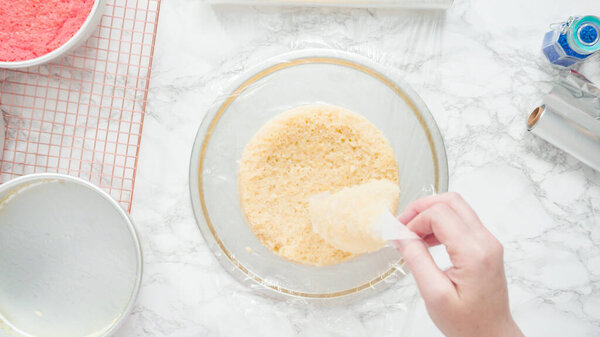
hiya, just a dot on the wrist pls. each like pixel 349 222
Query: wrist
pixel 510 329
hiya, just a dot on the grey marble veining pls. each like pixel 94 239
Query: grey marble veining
pixel 479 69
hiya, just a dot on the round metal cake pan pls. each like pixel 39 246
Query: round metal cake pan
pixel 70 257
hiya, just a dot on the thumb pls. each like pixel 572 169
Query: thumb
pixel 432 282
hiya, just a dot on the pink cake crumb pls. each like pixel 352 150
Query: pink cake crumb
pixel 32 28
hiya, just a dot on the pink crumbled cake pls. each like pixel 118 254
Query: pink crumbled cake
pixel 32 28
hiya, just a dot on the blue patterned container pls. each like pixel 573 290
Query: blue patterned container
pixel 572 41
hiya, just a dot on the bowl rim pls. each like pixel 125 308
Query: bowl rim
pixel 65 47
pixel 29 178
pixel 359 62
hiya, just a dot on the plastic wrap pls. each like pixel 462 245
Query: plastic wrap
pixel 287 81
pixel 570 118
pixel 582 142
pixel 422 4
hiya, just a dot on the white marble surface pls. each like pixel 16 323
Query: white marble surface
pixel 479 69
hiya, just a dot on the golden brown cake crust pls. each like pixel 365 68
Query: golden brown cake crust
pixel 297 154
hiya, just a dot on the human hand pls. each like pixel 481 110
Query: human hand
pixel 470 299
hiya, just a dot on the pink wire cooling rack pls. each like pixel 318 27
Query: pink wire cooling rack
pixel 83 115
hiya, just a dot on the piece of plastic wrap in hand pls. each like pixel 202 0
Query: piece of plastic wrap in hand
pixel 421 4
pixel 391 229
pixel 568 128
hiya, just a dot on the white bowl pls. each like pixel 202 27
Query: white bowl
pixel 281 83
pixel 70 258
pixel 86 29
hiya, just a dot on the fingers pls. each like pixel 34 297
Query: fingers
pixel 441 222
pixel 437 219
pixel 432 282
pixel 431 240
pixel 452 199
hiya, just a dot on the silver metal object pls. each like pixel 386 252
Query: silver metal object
pixel 571 130
pixel 569 118
pixel 576 91
pixel 70 258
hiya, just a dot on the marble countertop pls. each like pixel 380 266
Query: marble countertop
pixel 478 67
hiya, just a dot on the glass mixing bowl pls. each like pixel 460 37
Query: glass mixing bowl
pixel 281 83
